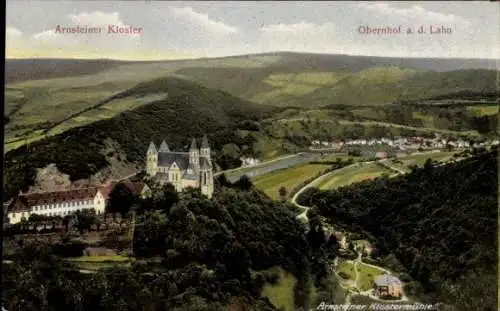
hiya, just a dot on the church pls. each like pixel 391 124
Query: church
pixel 182 169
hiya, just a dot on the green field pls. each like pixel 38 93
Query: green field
pixel 61 105
pixel 289 178
pixel 420 159
pixel 277 79
pixel 367 275
pixel 427 120
pixel 101 262
pixel 281 295
pixel 347 268
pixel 484 110
pixel 353 174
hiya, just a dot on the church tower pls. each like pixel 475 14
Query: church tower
pixel 194 155
pixel 206 177
pixel 151 160
pixel 206 172
pixel 205 148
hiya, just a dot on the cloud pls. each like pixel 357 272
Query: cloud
pixel 96 18
pixel 46 35
pixel 416 12
pixel 298 29
pixel 203 22
pixel 13 33
pixel 298 36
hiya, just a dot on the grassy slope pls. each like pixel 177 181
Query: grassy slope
pixel 281 294
pixel 420 159
pixel 305 87
pixel 289 178
pixel 440 223
pixel 72 93
pixel 352 175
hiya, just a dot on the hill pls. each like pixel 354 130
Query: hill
pixel 304 87
pixel 17 70
pixel 221 254
pixel 72 93
pixel 187 110
pixel 439 222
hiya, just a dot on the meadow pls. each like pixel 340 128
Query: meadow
pixel 281 294
pixel 484 110
pixel 305 81
pixel 367 275
pixel 420 159
pixel 93 263
pixel 352 174
pixel 289 178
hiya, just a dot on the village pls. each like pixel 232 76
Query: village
pixel 398 146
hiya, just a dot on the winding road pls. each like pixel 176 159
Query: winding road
pixel 350 290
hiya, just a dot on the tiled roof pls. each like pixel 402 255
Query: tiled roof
pixel 164 147
pixel 167 158
pixel 193 145
pixel 106 190
pixel 152 146
pixel 190 176
pixel 26 201
pixel 134 187
pixel 204 143
pixel 387 280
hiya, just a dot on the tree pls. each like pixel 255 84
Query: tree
pixel 120 200
pixel 244 183
pixel 85 219
pixel 282 192
pixel 164 197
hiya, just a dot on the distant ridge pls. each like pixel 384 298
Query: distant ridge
pixel 17 70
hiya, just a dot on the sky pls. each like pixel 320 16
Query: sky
pixel 182 29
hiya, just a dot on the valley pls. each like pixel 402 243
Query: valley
pixel 344 149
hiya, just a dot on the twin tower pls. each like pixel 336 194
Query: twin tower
pixel 182 169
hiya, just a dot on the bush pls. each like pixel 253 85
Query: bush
pixel 71 249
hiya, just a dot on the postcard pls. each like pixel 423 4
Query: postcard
pixel 259 156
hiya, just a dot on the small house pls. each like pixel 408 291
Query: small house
pixel 388 286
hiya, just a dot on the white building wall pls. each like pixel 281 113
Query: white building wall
pixel 98 203
pixel 63 208
pixel 16 217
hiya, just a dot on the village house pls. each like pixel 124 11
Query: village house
pixel 381 155
pixel 245 162
pixel 387 286
pixel 138 188
pixel 341 239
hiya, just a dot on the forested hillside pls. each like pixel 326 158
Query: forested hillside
pixel 215 255
pixel 188 111
pixel 440 222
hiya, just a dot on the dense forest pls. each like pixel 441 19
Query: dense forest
pixel 440 222
pixel 189 111
pixel 215 255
